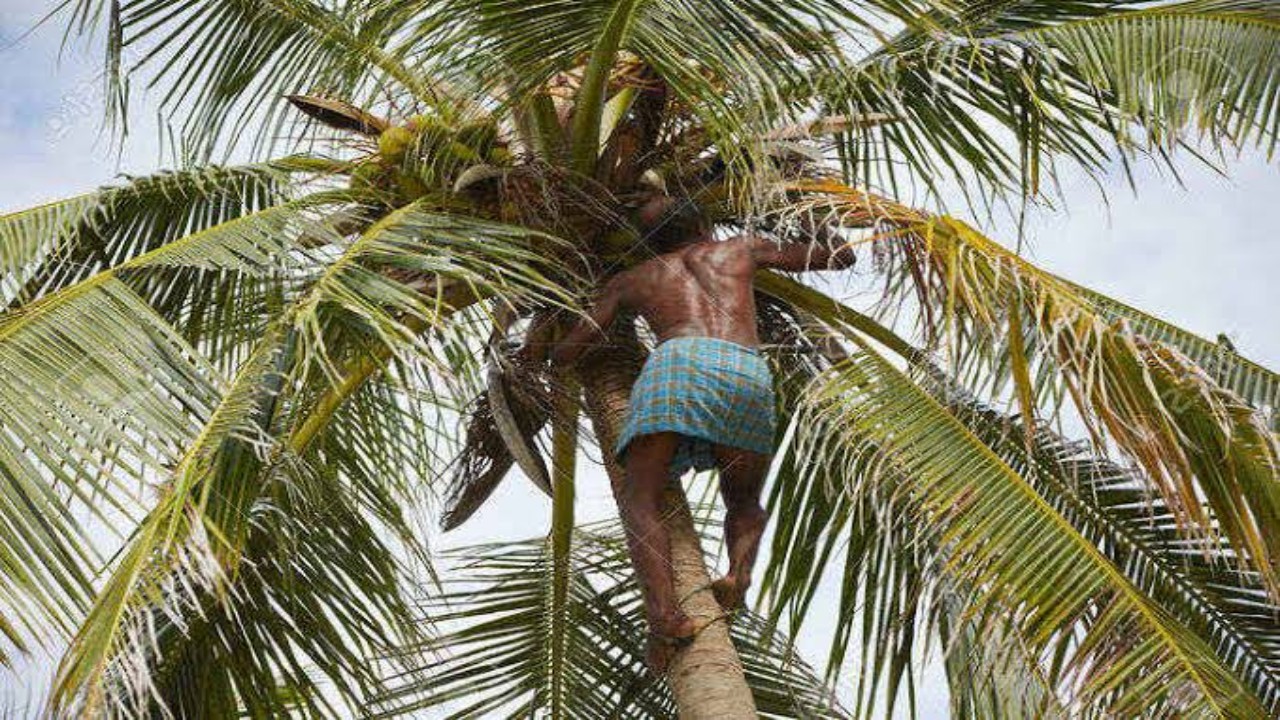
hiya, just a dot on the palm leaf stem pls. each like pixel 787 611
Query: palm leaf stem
pixel 829 310
pixel 564 453
pixel 589 106
pixel 455 297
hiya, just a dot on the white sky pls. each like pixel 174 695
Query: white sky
pixel 1205 256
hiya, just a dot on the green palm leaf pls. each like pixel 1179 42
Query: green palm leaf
pixel 302 625
pixel 493 656
pixel 818 513
pixel 190 541
pixel 45 249
pixel 391 281
pixel 995 94
pixel 991 671
pixel 190 545
pixel 224 68
pixel 1000 535
pixel 1101 365
pixel 1205 65
pixel 997 316
pixel 1198 586
pixel 1254 383
pixel 88 409
pixel 121 367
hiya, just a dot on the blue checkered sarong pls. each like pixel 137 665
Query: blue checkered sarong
pixel 709 391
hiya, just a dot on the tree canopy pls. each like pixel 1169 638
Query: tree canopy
pixel 260 380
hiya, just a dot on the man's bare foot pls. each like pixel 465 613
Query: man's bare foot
pixel 667 637
pixel 730 592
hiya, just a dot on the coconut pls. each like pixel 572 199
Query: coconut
pixel 394 143
pixel 411 186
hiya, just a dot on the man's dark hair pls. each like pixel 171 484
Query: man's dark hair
pixel 668 222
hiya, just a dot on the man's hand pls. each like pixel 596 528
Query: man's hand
pixel 538 339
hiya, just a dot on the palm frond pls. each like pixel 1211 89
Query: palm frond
pixel 1001 536
pixel 731 66
pixel 47 248
pixel 1109 503
pixel 833 528
pixel 312 619
pixel 1254 383
pixel 375 290
pixel 1206 68
pixel 860 535
pixel 564 459
pixel 991 671
pixel 260 570
pixel 189 543
pixel 1145 397
pixel 493 655
pixel 99 394
pixel 319 612
pixel 997 94
pixel 221 284
pixel 224 68
pixel 246 244
pixel 1151 400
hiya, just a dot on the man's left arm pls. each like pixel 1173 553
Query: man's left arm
pixel 801 257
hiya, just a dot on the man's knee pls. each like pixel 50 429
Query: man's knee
pixel 745 508
pixel 742 480
pixel 737 462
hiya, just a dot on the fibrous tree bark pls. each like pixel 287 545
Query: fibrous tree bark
pixel 707 678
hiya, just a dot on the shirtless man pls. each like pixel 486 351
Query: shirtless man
pixel 705 396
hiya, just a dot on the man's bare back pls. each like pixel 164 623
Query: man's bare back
pixel 704 289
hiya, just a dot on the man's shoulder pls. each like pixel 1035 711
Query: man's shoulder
pixel 694 254
pixel 734 249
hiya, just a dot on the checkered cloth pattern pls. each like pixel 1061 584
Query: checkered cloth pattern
pixel 708 390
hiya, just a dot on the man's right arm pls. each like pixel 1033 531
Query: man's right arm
pixel 800 257
pixel 581 338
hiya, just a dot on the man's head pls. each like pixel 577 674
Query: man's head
pixel 669 222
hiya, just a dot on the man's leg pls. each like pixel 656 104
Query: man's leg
pixel 742 475
pixel 648 462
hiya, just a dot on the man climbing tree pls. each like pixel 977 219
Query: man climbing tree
pixel 704 399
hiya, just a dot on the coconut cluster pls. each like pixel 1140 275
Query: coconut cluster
pixel 428 154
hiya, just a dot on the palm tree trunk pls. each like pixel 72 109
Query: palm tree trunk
pixel 707 678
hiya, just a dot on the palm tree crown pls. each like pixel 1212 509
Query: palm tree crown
pixel 258 379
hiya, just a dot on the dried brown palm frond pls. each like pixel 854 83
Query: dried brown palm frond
pixel 340 115
pixel 486 458
pixel 503 423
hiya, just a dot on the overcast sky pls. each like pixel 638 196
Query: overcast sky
pixel 1205 256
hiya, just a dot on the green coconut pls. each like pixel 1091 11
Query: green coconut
pixel 422 124
pixel 394 143
pixel 411 186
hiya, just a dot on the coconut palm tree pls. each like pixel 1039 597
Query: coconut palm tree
pixel 232 393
